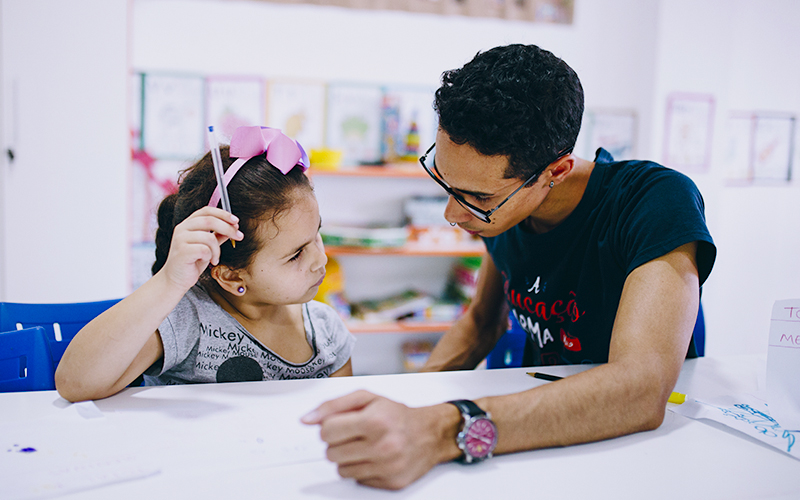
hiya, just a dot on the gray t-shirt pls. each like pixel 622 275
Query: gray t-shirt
pixel 203 343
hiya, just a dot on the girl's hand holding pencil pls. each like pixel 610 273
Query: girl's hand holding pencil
pixel 196 244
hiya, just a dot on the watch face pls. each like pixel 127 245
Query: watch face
pixel 481 438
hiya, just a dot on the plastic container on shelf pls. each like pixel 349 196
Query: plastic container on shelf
pixel 463 280
pixel 325 159
pixel 331 291
pixel 425 210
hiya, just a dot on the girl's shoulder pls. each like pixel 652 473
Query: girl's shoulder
pixel 319 312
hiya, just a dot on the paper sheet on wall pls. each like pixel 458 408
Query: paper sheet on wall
pixel 783 363
pixel 746 414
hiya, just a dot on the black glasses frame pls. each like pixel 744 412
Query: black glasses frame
pixel 479 213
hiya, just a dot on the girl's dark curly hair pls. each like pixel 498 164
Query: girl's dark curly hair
pixel 257 192
pixel 518 101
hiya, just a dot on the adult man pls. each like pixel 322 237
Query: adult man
pixel 601 262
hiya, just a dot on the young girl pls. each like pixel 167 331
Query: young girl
pixel 215 312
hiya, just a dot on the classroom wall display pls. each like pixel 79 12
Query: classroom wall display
pixel 773 147
pixel 540 11
pixel 613 130
pixel 136 82
pixel 409 122
pixel 738 145
pixel 370 123
pixel 233 102
pixel 760 146
pixel 172 120
pixel 688 131
pixel 168 134
pixel 354 122
pixel 298 109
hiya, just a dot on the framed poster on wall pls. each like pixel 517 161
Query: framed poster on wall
pixel 738 147
pixel 172 120
pixel 354 122
pixel 233 102
pixel 612 130
pixel 773 147
pixel 760 146
pixel 688 131
pixel 298 109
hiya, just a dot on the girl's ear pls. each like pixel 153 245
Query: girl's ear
pixel 229 279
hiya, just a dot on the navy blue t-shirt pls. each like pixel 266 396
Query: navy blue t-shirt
pixel 564 285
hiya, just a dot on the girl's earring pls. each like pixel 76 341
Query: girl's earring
pixel 241 290
pixel 552 183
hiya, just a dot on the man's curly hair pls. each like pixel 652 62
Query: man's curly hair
pixel 518 101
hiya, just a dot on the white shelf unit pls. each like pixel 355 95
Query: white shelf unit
pixel 375 195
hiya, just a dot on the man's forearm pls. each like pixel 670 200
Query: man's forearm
pixel 605 402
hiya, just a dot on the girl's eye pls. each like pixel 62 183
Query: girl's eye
pixel 297 255
pixel 481 199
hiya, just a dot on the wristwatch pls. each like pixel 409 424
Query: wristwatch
pixel 478 437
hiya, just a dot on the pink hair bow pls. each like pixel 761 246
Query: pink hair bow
pixel 282 152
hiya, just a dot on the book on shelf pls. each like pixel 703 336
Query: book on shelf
pixel 364 236
pixel 393 308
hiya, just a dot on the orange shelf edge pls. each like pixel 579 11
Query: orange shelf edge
pixel 400 327
pixel 410 250
pixel 389 170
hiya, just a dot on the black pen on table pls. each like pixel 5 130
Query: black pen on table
pixel 675 397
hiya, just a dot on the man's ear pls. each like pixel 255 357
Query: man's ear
pixel 228 279
pixel 560 169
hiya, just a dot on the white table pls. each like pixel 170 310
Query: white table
pixel 233 441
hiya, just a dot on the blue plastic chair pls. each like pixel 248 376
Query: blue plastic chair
pixel 25 361
pixel 60 321
pixel 507 353
pixel 699 334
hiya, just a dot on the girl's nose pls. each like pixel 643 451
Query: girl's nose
pixel 320 258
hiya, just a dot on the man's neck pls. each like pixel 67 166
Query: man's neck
pixel 562 199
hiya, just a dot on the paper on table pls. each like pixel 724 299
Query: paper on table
pixel 54 456
pixel 746 414
pixel 783 363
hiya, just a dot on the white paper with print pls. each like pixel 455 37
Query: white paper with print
pixel 746 414
pixel 783 363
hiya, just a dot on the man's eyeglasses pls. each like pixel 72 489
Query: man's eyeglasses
pixel 480 214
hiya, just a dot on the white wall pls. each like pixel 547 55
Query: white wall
pixel 744 53
pixel 610 44
pixel 629 54
pixel 63 198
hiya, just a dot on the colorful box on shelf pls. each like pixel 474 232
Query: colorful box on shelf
pixel 416 354
pixel 325 159
pixel 408 303
pixel 369 237
pixel 444 237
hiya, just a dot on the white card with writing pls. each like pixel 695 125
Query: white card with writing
pixel 746 414
pixel 783 363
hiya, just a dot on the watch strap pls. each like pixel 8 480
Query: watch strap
pixel 468 408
